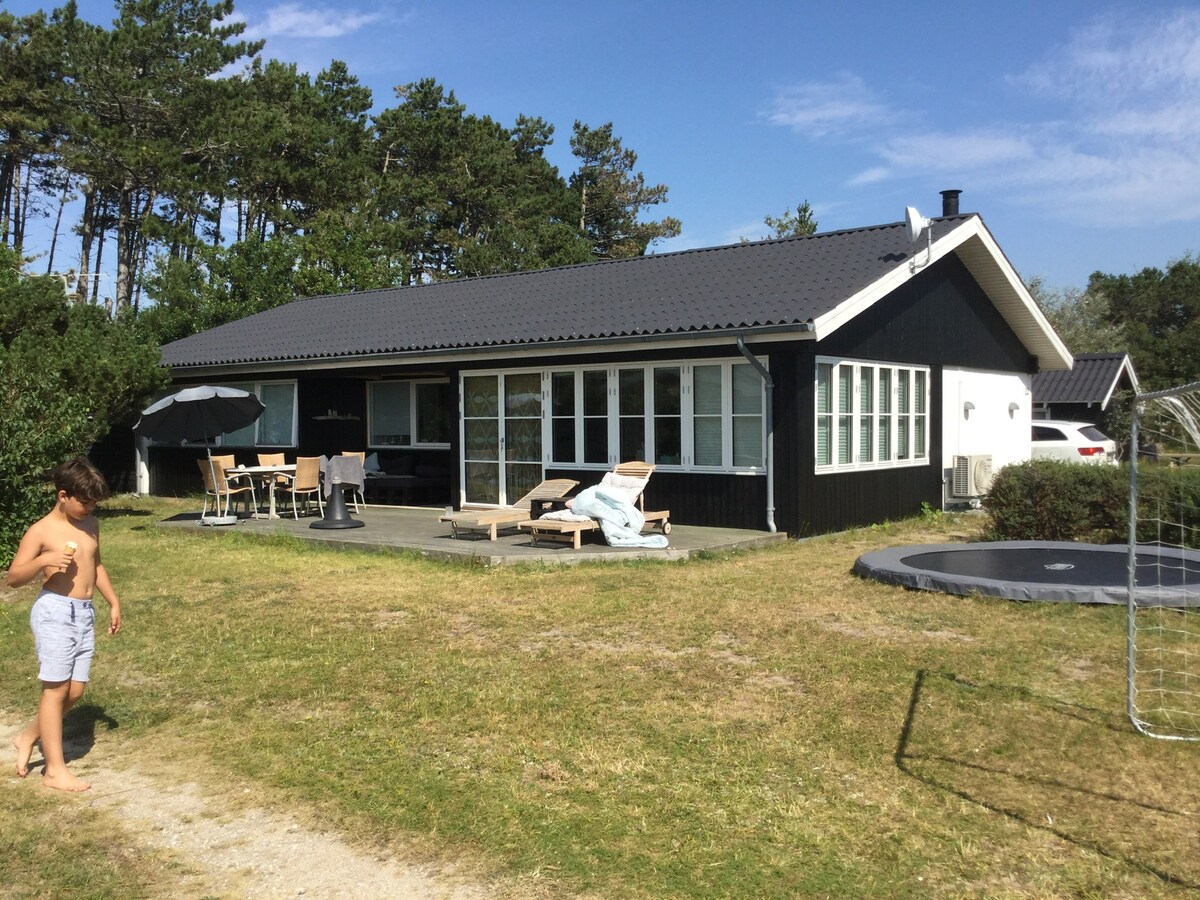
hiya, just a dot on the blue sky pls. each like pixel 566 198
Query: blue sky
pixel 1072 127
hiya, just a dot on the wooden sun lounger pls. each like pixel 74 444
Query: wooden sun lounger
pixel 569 532
pixel 488 519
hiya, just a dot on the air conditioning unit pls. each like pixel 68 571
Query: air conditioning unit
pixel 972 476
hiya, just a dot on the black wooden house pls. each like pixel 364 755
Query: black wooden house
pixel 805 384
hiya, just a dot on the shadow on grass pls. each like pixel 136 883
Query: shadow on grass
pixel 1077 773
pixel 79 733
pixel 111 512
pixel 79 729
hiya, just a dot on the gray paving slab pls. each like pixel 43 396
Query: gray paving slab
pixel 401 528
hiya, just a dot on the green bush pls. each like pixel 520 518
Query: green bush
pixel 1048 500
pixel 67 374
pixel 43 424
pixel 1169 505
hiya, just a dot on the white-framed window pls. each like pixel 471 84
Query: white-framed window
pixel 680 416
pixel 276 427
pixel 870 415
pixel 409 413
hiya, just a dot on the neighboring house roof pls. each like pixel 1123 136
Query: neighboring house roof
pixel 804 286
pixel 1094 379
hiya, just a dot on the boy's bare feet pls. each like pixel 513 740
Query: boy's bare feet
pixel 65 781
pixel 24 751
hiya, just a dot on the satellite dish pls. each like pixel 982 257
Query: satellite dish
pixel 914 223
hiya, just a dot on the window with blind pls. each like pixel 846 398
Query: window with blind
pixel 870 415
pixel 703 416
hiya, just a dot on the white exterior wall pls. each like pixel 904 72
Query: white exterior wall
pixel 985 413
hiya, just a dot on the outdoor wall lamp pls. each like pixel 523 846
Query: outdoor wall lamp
pixel 1012 409
pixel 967 407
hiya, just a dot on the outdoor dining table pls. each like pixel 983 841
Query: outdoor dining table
pixel 267 474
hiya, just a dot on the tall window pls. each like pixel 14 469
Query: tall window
pixel 886 422
pixel 276 427
pixel 747 387
pixel 409 413
pixel 920 417
pixel 845 423
pixel 866 414
pixel 678 415
pixel 668 416
pixel 595 416
pixel 870 415
pixel 631 395
pixel 562 417
pixel 707 419
pixel 824 414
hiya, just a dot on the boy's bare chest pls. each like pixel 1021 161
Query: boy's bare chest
pixel 60 537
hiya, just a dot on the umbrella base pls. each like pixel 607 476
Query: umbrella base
pixel 218 520
pixel 336 513
pixel 338 523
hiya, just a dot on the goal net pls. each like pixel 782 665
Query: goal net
pixel 1164 564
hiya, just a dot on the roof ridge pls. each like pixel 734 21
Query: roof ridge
pixel 838 232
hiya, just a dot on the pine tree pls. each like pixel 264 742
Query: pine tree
pixel 612 195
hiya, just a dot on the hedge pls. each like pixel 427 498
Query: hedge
pixel 1048 500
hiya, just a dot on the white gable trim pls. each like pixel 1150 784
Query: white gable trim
pixel 1125 366
pixel 979 252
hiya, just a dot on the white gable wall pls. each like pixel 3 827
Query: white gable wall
pixel 977 418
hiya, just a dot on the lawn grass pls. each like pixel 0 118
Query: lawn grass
pixel 757 724
pixel 49 848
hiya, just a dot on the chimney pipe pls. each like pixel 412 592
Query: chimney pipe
pixel 950 202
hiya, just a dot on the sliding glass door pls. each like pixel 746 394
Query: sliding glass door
pixel 502 436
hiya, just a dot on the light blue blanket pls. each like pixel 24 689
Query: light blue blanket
pixel 620 520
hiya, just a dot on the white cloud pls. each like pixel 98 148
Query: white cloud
pixel 950 152
pixel 873 175
pixel 1113 62
pixel 820 108
pixel 1121 136
pixel 294 20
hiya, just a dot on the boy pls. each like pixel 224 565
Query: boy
pixel 64 546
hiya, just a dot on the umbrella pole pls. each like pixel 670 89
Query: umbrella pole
pixel 222 518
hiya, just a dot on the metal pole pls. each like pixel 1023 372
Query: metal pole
pixel 1130 604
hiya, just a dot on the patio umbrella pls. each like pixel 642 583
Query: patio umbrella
pixel 200 414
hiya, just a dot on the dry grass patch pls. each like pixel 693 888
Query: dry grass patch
pixel 762 724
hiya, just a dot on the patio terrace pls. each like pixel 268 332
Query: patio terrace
pixel 398 528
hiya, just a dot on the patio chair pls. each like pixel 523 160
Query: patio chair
pixel 306 482
pixel 272 459
pixel 224 485
pixel 627 478
pixel 490 518
pixel 357 493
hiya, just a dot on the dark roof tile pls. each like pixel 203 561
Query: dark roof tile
pixel 1092 380
pixel 766 283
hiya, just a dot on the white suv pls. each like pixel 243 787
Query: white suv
pixel 1072 442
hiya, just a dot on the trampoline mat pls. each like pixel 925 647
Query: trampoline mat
pixel 1037 570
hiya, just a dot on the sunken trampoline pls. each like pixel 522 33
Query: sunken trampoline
pixel 1040 570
